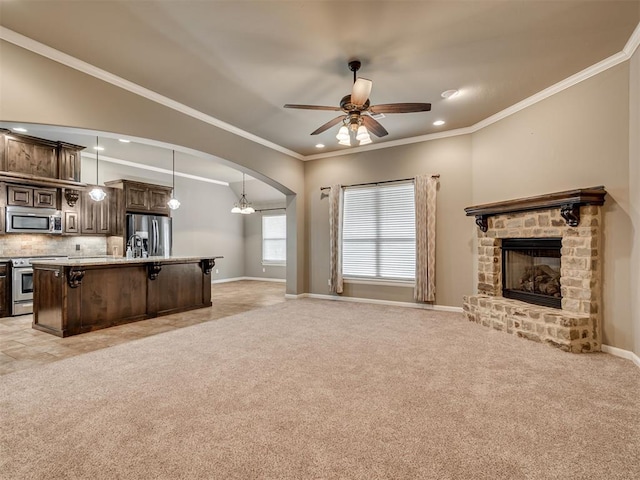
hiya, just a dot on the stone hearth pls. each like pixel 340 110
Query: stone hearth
pixel 573 216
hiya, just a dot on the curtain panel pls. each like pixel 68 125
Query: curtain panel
pixel 335 239
pixel 425 195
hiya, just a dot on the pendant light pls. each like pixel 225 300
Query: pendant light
pixel 97 194
pixel 174 204
pixel 243 207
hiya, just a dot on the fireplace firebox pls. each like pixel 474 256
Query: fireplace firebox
pixel 531 270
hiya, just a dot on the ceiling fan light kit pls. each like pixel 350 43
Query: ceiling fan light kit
pixel 354 106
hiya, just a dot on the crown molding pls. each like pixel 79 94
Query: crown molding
pixel 142 166
pixel 65 59
pixel 84 67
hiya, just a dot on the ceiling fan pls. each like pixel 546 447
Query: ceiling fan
pixel 358 111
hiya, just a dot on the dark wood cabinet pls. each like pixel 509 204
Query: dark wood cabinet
pixel 136 196
pixel 34 157
pixel 5 290
pixel 143 197
pixel 39 159
pixel 19 195
pixel 95 217
pixel 71 222
pixel 69 162
pixel 158 198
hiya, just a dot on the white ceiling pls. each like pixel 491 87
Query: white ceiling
pixel 241 61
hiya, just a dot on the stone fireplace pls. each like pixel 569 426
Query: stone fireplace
pixel 539 268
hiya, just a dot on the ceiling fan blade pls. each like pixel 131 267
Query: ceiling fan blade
pixel 361 91
pixel 400 108
pixel 328 125
pixel 312 107
pixel 374 126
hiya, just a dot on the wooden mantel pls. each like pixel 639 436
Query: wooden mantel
pixel 568 201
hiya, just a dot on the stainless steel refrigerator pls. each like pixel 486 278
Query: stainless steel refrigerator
pixel 154 232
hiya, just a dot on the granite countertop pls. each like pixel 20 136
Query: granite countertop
pixel 109 260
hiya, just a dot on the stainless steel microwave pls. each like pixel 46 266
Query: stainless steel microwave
pixel 33 220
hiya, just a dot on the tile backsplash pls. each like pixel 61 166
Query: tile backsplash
pixel 26 245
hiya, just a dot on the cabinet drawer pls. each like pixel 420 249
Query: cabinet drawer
pixel 31 197
pixel 20 196
pixel 44 197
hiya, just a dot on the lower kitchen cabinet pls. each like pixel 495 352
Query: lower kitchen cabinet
pixel 5 290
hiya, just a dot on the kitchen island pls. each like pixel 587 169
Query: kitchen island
pixel 81 295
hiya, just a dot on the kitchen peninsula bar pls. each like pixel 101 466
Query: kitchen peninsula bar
pixel 81 295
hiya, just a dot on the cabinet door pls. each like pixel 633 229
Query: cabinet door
pixel 45 161
pixel 69 164
pixel 103 216
pixel 158 199
pixel 95 217
pixel 136 197
pixel 71 224
pixel 88 220
pixel 20 196
pixel 45 197
pixel 31 158
pixel 4 290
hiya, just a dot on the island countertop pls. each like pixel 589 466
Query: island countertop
pixel 113 261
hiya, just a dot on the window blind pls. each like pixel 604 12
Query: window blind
pixel 378 234
pixel 274 239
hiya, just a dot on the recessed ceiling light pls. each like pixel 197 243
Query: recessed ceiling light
pixel 98 148
pixel 124 140
pixel 437 123
pixel 320 145
pixel 19 129
pixel 450 93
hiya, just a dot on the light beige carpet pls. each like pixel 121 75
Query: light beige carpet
pixel 318 389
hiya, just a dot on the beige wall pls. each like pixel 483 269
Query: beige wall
pixel 634 189
pixel 576 138
pixel 34 89
pixel 450 158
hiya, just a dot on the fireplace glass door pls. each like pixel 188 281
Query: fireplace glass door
pixel 531 270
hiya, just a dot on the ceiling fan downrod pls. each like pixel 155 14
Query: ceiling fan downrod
pixel 354 66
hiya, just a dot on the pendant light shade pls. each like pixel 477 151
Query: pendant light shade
pixel 97 194
pixel 174 204
pixel 243 206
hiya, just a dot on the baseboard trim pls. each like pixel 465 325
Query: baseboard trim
pixel 619 352
pixel 375 301
pixel 258 279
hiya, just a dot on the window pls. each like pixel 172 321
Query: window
pixel 274 239
pixel 378 232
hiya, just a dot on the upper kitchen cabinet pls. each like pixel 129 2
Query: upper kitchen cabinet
pixel 36 158
pixel 143 197
pixel 31 157
pixel 69 162
pixel 96 218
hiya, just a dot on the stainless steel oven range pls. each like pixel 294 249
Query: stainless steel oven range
pixel 22 284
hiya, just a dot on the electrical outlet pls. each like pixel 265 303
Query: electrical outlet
pixel 264 270
pixel 217 271
pixel 328 281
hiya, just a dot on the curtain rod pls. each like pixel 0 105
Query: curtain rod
pixel 269 209
pixel 437 175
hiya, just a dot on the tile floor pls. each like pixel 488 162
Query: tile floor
pixel 22 347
